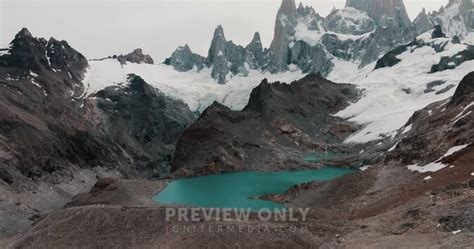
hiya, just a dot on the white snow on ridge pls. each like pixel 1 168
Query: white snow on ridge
pixel 197 89
pixel 386 106
pixel 437 165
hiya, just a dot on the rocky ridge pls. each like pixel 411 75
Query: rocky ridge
pixel 280 121
pixel 360 32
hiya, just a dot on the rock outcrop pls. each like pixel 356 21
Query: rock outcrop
pixel 136 56
pixel 183 60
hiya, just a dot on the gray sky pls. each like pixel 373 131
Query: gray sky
pixel 99 28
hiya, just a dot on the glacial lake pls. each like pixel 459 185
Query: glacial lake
pixel 235 190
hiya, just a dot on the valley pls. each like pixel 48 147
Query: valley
pixel 363 118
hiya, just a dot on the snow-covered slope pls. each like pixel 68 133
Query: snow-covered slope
pixel 197 89
pixel 393 94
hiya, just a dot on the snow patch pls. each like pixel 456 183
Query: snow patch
pixel 407 129
pixel 33 74
pixel 437 165
pixel 197 89
pixel 456 232
pixel 431 167
pixel 364 168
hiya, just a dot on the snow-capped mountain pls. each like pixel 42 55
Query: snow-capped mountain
pixel 360 32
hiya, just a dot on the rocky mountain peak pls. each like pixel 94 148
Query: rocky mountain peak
pixel 288 8
pixel 422 23
pixel 218 45
pixel 136 56
pixel 285 22
pixel 256 39
pixel 23 33
pixel 219 32
pixel 40 55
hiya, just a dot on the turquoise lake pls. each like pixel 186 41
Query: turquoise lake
pixel 234 190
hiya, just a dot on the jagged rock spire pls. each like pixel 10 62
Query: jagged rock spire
pixel 256 39
pixel 218 45
pixel 422 23
pixel 23 33
pixel 284 27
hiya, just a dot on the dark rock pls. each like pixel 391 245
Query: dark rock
pixel 6 176
pixel 136 56
pixel 390 59
pixel 438 32
pixel 465 89
pixel 430 86
pixel 406 90
pixel 456 40
pixel 471 183
pixel 446 89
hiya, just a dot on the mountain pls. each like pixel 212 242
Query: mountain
pixel 279 121
pixel 303 39
pixel 55 141
pixel 422 23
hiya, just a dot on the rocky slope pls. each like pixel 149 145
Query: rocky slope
pixel 54 143
pixel 280 122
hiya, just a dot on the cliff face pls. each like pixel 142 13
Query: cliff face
pixel 284 29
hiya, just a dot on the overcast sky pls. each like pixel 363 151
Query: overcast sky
pixel 99 28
